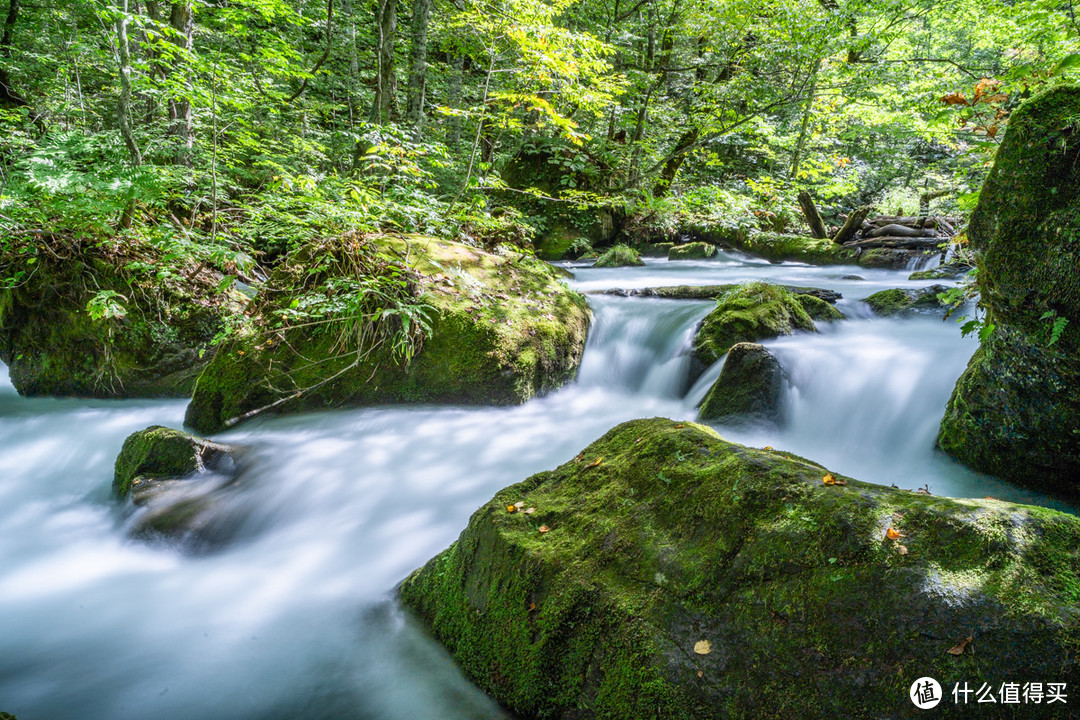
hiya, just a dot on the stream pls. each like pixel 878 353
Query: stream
pixel 292 613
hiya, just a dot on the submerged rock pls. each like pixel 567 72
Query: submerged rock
pixel 619 256
pixel 952 270
pixel 106 325
pixel 750 387
pixel 666 573
pixel 750 312
pixel 899 300
pixel 1015 412
pixel 174 481
pixel 501 328
pixel 692 251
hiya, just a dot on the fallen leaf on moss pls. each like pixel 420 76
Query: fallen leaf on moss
pixel 703 647
pixel 544 528
pixel 680 425
pixel 894 534
pixel 700 673
pixel 532 606
pixel 767 447
pixel 958 648
pixel 831 479
pixel 580 457
pixel 595 463
pixel 529 511
pixel 519 504
pixel 511 508
pixel 901 549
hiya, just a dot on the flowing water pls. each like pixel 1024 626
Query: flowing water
pixel 292 614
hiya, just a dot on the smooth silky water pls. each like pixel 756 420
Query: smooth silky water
pixel 290 613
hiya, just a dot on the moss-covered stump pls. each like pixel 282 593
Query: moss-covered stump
pixel 751 312
pixel 750 387
pixel 666 573
pixel 110 322
pixel 503 328
pixel 159 453
pixel 952 270
pixel 692 251
pixel 619 256
pixel 901 300
pixel 1016 410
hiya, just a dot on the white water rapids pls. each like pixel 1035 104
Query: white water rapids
pixel 292 615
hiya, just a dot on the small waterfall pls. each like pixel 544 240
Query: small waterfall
pixel 923 262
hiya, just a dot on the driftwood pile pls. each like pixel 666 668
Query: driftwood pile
pixel 884 231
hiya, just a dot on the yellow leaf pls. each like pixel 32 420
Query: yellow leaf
pixel 829 479
pixel 894 534
pixel 680 425
pixel 511 508
pixel 768 447
pixel 703 647
pixel 544 528
pixel 958 649
pixel 598 461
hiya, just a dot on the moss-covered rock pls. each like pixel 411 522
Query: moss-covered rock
pixel 666 573
pixel 952 270
pixel 692 251
pixel 891 258
pixel 817 308
pixel 619 256
pixel 780 247
pixel 1016 410
pixel 158 453
pixel 152 338
pixel 714 292
pixel 660 249
pixel 753 311
pixel 503 328
pixel 899 300
pixel 750 387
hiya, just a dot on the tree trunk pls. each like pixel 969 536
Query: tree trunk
pixel 813 217
pixel 182 21
pixel 385 107
pixel 674 162
pixel 124 105
pixel 8 95
pixel 421 15
pixel 852 224
pixel 804 129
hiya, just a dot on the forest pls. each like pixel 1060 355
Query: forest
pixel 491 359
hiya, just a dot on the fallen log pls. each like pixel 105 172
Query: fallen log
pixel 852 225
pixel 896 230
pixel 899 243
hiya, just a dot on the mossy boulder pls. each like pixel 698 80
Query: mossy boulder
pixel 753 311
pixel 1015 412
pixel 666 573
pixel 952 270
pixel 660 249
pixel 692 251
pixel 619 256
pixel 159 453
pixel 901 300
pixel 891 258
pixel 151 336
pixel 502 329
pixel 779 247
pixel 750 387
pixel 714 292
pixel 817 308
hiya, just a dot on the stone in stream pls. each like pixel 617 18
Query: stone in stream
pixel 667 573
pixel 501 328
pixel 1015 412
pixel 900 300
pixel 750 312
pixel 952 270
pixel 749 389
pixel 619 256
pixel 173 478
pixel 692 251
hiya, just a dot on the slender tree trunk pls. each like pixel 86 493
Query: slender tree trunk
pixel 813 217
pixel 8 95
pixel 800 144
pixel 385 108
pixel 124 105
pixel 421 15
pixel 182 21
pixel 675 161
pixel 453 98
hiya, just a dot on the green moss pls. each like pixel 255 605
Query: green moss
pixel 156 452
pixel 779 247
pixel 953 270
pixel 660 249
pixel 619 256
pixel 897 300
pixel 749 388
pixel 753 311
pixel 890 258
pixel 692 251
pixel 504 329
pixel 817 308
pixel 676 536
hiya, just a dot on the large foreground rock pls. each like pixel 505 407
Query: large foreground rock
pixel 501 329
pixel 666 573
pixel 1015 412
pixel 152 335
